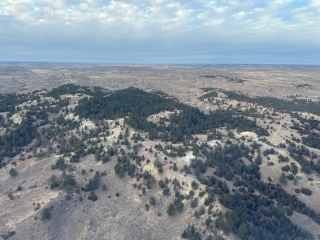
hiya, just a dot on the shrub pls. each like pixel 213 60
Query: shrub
pixel 159 166
pixel 68 181
pixel 162 184
pixel 8 235
pixel 208 200
pixel 290 177
pixel 306 191
pixel 175 168
pixel 166 191
pixel 283 159
pixel 93 197
pixel 152 200
pixel 68 197
pixel 196 214
pixel 286 168
pixel 194 203
pixel 94 183
pixel 289 211
pixel 147 206
pixel 13 172
pixel 170 210
pixel 180 206
pixel 46 213
pixel 194 185
pixel 283 178
pixel 105 159
pixel 258 160
pixel 208 221
pixel 268 151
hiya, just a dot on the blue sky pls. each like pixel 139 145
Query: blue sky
pixel 161 31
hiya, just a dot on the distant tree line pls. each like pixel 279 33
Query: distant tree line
pixel 278 104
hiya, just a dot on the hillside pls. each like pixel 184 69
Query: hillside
pixel 83 162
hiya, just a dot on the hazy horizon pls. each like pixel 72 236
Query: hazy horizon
pixel 158 64
pixel 161 31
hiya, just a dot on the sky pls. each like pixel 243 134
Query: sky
pixel 161 31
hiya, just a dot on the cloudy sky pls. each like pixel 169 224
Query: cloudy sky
pixel 161 31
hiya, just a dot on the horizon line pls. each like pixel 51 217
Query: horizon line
pixel 152 64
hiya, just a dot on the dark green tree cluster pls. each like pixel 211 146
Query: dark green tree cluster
pixel 12 142
pixel 268 151
pixel 124 165
pixel 70 88
pixel 299 105
pixel 191 233
pixel 93 183
pixel 275 192
pixel 307 166
pixel 123 103
pixel 66 181
pixel 227 162
pixel 8 102
pixel 306 126
pixel 256 217
pixel 312 140
pixel 60 164
pixel 214 135
pixel 2 121
pixel 211 94
pixel 193 121
pixel 283 159
pixel 199 166
pixel 147 178
pixel 158 165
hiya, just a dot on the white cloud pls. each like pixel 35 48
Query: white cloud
pixel 219 9
pixel 239 15
pixel 142 23
pixel 281 2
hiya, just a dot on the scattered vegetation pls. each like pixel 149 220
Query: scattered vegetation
pixel 255 209
pixel 191 233
pixel 8 235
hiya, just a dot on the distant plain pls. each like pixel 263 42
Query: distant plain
pixel 181 81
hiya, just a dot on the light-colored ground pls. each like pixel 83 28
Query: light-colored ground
pixel 183 82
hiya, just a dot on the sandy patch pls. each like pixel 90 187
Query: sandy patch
pixel 71 116
pixel 87 125
pixel 16 118
pixel 249 134
pixel 155 118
